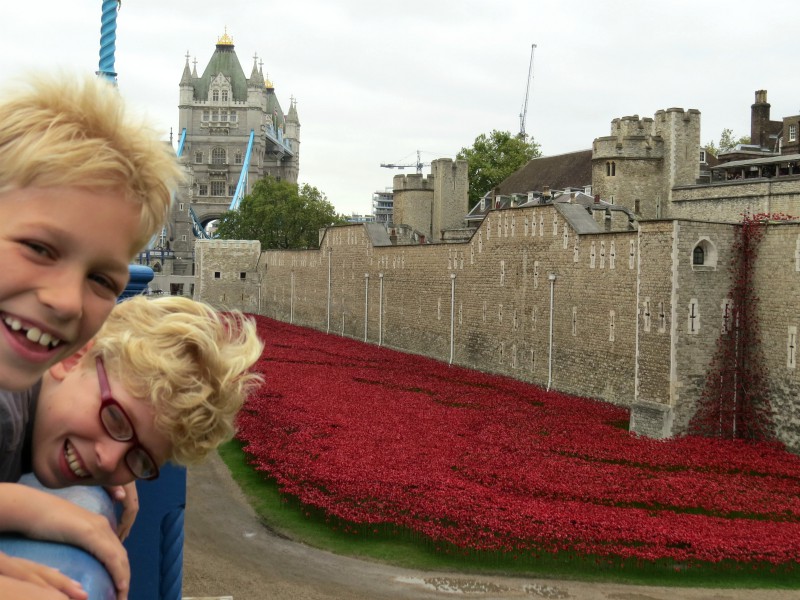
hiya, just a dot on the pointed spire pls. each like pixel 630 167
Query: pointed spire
pixel 255 81
pixel 255 75
pixel 186 78
pixel 194 67
pixel 292 115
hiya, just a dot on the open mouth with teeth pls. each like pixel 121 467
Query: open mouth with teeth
pixel 73 462
pixel 32 334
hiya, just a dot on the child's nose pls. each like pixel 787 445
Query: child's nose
pixel 63 294
pixel 111 454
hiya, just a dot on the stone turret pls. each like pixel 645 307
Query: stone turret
pixel 292 136
pixel 434 204
pixel 450 195
pixel 643 159
pixel 186 89
pixel 413 202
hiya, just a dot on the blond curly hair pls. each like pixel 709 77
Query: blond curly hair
pixel 189 361
pixel 73 131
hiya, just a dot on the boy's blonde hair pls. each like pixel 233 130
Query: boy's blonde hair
pixel 189 361
pixel 72 130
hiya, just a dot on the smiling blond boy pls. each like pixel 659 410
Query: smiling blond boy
pixel 82 190
pixel 83 187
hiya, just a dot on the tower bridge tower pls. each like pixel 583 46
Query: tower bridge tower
pixel 217 112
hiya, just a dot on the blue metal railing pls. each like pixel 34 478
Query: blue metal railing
pixel 73 562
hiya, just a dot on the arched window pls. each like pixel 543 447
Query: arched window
pixel 198 157
pixel 215 95
pixel 611 168
pixel 704 255
pixel 698 255
pixel 218 156
pixel 224 95
pixel 237 157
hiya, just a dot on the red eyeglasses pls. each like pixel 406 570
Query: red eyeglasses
pixel 118 425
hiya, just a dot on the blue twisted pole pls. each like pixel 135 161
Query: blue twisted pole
pixel 170 571
pixel 169 587
pixel 108 39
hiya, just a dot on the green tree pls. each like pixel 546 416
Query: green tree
pixel 280 215
pixel 727 142
pixel 494 157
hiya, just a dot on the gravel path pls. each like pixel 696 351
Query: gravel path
pixel 228 553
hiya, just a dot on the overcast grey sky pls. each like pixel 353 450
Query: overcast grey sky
pixel 377 81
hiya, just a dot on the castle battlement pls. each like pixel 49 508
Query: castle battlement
pixel 632 126
pixel 412 182
pixel 665 119
pixel 448 169
pixel 629 146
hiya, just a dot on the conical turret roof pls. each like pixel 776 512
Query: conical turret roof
pixel 225 61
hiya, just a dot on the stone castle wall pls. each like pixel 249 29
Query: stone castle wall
pixel 730 200
pixel 634 322
pixel 698 308
pixel 777 278
pixel 228 274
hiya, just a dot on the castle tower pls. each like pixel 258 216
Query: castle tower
pixel 680 130
pixel 413 203
pixel 434 204
pixel 292 135
pixel 450 195
pixel 218 110
pixel 643 159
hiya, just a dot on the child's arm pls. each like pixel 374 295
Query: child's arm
pixel 21 578
pixel 43 516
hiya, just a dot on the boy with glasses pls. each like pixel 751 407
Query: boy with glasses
pixel 162 381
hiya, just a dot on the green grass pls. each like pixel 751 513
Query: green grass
pixel 286 517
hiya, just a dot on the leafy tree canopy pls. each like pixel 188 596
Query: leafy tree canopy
pixel 494 157
pixel 280 215
pixel 727 142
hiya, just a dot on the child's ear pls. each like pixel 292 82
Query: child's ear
pixel 60 370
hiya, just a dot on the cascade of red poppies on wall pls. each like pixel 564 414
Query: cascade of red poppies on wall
pixel 735 400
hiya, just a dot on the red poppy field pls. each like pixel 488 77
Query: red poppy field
pixel 482 463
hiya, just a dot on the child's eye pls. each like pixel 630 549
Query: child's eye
pixel 38 248
pixel 106 282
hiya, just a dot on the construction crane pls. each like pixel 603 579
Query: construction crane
pixel 524 112
pixel 419 164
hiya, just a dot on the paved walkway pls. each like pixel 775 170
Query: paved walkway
pixel 229 553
